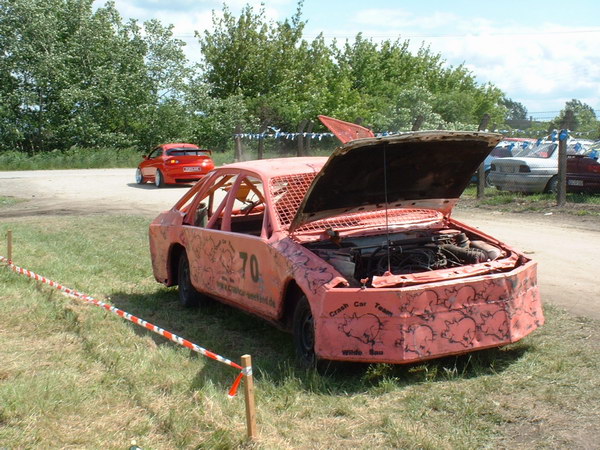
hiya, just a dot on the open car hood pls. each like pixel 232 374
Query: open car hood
pixel 427 169
pixel 345 131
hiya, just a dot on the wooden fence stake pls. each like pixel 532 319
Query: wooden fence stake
pixel 9 245
pixel 249 394
pixel 481 170
pixel 237 156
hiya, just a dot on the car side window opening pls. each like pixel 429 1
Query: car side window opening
pixel 234 203
pixel 155 153
pixel 245 211
pixel 209 200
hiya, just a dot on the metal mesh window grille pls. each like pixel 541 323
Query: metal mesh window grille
pixel 287 193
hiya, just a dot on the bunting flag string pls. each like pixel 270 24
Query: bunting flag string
pixel 294 135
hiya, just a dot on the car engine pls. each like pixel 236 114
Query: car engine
pixel 361 258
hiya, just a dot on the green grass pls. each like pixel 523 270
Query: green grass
pixel 73 375
pixel 8 201
pixel 79 158
pixel 75 158
pixel 577 203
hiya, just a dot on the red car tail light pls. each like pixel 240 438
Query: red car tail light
pixel 592 167
pixel 172 161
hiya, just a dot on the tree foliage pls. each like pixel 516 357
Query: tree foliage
pixel 514 109
pixel 284 79
pixel 72 76
pixel 583 115
pixel 75 76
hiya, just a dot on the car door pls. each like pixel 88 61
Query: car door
pixel 153 162
pixel 227 230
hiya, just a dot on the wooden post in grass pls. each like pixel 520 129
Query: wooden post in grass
pixel 308 140
pixel 301 126
pixel 567 124
pixel 261 140
pixel 249 394
pixel 561 192
pixel 9 245
pixel 238 144
pixel 481 171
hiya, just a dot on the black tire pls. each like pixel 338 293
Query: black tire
pixel 552 186
pixel 304 334
pixel 139 178
pixel 488 183
pixel 188 295
pixel 159 180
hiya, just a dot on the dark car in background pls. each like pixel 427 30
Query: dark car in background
pixel 583 173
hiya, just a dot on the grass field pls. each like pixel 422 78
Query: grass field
pixel 577 204
pixel 73 375
pixel 77 158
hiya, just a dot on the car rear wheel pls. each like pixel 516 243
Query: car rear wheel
pixel 159 181
pixel 139 178
pixel 188 295
pixel 552 186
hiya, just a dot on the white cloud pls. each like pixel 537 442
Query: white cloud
pixel 537 64
pixel 390 18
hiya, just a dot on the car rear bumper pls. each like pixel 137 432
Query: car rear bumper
pixel 519 182
pixel 583 183
pixel 179 176
pixel 405 325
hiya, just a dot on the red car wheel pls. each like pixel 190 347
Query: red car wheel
pixel 159 180
pixel 139 178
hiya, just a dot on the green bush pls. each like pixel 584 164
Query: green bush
pixel 73 158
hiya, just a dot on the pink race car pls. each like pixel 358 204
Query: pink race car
pixel 356 254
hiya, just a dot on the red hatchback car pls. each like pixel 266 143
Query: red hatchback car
pixel 357 255
pixel 174 163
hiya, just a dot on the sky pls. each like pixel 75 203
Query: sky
pixel 540 53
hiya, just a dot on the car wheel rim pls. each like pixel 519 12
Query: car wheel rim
pixel 138 176
pixel 307 339
pixel 185 285
pixel 157 180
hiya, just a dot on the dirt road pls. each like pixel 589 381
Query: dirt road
pixel 565 247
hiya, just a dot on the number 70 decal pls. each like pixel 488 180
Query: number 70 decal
pixel 254 273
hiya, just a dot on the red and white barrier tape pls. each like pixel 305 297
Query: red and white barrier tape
pixel 125 315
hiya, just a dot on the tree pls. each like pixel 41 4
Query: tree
pixel 72 76
pixel 515 110
pixel 584 115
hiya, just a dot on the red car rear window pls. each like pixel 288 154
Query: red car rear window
pixel 187 152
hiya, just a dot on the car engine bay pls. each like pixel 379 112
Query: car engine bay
pixel 361 258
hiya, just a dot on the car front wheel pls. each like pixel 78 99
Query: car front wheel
pixel 188 295
pixel 139 178
pixel 304 333
pixel 159 181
